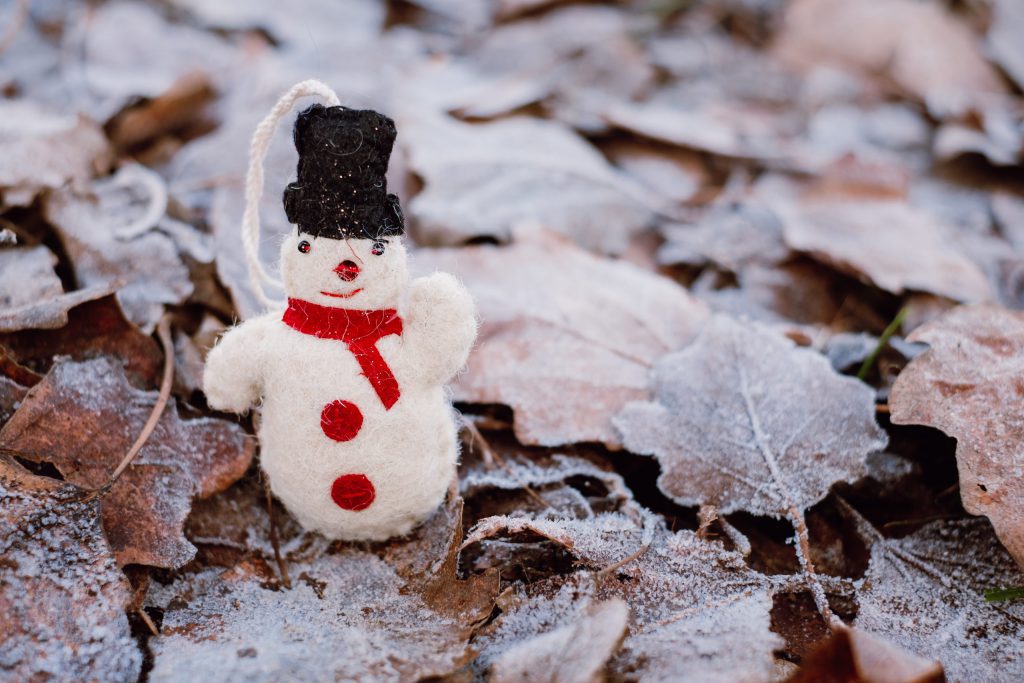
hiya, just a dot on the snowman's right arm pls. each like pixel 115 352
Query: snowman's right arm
pixel 233 377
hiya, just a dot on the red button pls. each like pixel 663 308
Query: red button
pixel 341 420
pixel 353 492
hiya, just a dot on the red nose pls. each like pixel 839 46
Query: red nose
pixel 347 271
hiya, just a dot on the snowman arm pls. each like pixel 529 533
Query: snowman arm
pixel 232 378
pixel 440 326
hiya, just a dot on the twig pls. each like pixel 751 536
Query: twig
pixel 163 331
pixel 282 566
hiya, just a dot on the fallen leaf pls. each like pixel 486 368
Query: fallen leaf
pixel 117 238
pixel 43 149
pixel 83 417
pixel 95 326
pixel 854 656
pixel 346 617
pixel 484 179
pixel 62 597
pixel 743 420
pixel 925 593
pixel 969 384
pixel 31 294
pixel 893 39
pixel 567 337
pixel 573 653
pixel 890 244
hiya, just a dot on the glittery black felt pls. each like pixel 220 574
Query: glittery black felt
pixel 341 191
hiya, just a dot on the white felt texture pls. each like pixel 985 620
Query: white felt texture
pixel 409 452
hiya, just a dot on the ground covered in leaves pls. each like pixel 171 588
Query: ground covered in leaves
pixel 747 399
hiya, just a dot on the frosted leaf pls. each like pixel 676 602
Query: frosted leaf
pixel 690 602
pixel 969 385
pixel 42 149
pixel 112 238
pixel 744 420
pixel 346 618
pixel 83 418
pixel 887 243
pixel 31 294
pixel 485 179
pixel 62 597
pixel 11 395
pixel 573 653
pixel 567 337
pixel 925 593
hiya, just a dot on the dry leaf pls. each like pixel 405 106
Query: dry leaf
pixel 41 149
pixel 485 179
pixel 969 384
pixel 346 617
pixel 83 417
pixel 925 593
pixel 112 238
pixel 31 294
pixel 854 656
pixel 62 597
pixel 743 420
pixel 94 327
pixel 895 39
pixel 676 174
pixel 573 653
pixel 567 337
pixel 888 243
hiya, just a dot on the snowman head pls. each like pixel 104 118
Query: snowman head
pixel 347 251
pixel 344 273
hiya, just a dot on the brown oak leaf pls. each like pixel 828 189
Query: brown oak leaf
pixel 970 384
pixel 83 417
pixel 62 596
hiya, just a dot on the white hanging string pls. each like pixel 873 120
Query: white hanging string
pixel 261 138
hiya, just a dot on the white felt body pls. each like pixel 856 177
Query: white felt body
pixel 409 452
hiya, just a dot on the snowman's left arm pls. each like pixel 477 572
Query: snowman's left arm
pixel 440 327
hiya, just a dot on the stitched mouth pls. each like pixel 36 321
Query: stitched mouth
pixel 339 295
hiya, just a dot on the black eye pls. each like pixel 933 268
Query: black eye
pixel 378 248
pixel 304 247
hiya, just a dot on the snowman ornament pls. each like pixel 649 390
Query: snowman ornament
pixel 357 434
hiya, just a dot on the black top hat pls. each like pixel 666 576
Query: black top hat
pixel 341 191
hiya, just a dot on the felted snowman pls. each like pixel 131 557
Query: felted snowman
pixel 357 434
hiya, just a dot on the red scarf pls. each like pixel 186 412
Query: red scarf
pixel 360 330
